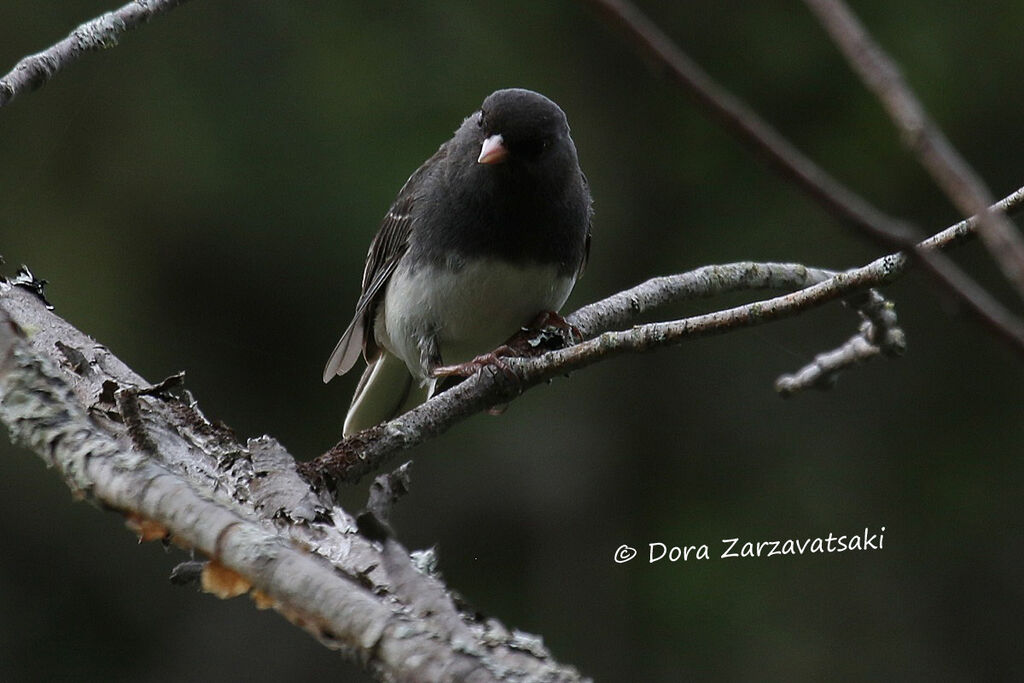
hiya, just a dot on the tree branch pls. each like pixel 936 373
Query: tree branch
pixel 878 334
pixel 758 136
pixel 950 171
pixel 371 448
pixel 368 450
pixel 100 33
pixel 149 453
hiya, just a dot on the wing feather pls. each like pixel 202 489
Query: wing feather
pixel 386 250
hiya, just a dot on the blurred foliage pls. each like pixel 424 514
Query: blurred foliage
pixel 201 198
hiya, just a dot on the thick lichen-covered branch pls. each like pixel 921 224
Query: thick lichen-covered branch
pixel 147 452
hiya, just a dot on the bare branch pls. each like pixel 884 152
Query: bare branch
pixel 370 449
pixel 624 308
pixel 952 173
pixel 737 118
pixel 100 33
pixel 365 452
pixel 182 478
pixel 147 451
pixel 879 334
pixel 823 372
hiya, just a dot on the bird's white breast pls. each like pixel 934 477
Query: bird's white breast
pixel 471 310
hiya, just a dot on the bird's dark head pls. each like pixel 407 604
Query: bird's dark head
pixel 521 127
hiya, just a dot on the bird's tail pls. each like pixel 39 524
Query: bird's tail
pixel 385 390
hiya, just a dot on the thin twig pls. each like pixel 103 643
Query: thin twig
pixel 368 450
pixel 100 33
pixel 769 144
pixel 823 372
pixel 881 326
pixel 950 171
pixel 879 334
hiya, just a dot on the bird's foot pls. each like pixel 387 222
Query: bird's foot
pixel 547 332
pixel 495 358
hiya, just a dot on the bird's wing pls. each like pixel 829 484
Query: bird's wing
pixel 386 250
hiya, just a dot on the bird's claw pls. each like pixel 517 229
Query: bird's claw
pixel 495 358
pixel 547 332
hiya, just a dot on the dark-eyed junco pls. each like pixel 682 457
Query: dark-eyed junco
pixel 489 232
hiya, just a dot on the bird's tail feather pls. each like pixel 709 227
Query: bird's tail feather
pixel 385 390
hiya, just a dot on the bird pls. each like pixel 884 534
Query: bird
pixel 489 233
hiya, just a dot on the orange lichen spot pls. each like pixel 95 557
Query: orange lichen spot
pixel 261 599
pixel 180 542
pixel 146 529
pixel 223 582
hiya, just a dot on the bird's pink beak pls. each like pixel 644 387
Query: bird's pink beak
pixel 493 151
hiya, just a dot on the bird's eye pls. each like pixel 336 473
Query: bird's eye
pixel 532 149
pixel 480 119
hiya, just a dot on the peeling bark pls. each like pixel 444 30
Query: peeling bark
pixel 148 452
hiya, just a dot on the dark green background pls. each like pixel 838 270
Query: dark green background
pixel 201 198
